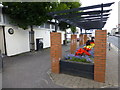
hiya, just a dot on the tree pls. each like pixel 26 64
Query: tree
pixel 63 26
pixel 29 14
pixel 62 6
pixel 73 29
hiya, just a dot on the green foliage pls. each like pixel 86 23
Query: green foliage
pixel 64 6
pixel 79 60
pixel 25 14
pixel 73 29
pixel 63 26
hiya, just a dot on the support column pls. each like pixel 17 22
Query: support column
pixel 80 39
pixel 55 51
pixel 100 55
pixel 73 44
pixel 85 39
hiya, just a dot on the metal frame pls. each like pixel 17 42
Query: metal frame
pixel 93 19
pixel 82 8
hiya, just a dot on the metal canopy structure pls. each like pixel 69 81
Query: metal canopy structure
pixel 90 17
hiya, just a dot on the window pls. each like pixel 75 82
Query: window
pixel 42 26
pixel 58 28
pixel 53 26
pixel 116 32
pixel 47 25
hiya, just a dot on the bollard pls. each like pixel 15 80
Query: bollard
pixel 109 46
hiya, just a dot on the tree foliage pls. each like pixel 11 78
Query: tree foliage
pixel 73 29
pixel 65 6
pixel 25 14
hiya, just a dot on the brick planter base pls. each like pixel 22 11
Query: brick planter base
pixel 77 68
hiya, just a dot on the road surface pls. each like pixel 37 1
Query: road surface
pixel 114 40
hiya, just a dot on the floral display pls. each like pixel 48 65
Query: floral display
pixel 83 58
pixel 84 53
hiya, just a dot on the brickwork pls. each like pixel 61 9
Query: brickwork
pixel 80 39
pixel 100 55
pixel 73 44
pixel 85 39
pixel 55 51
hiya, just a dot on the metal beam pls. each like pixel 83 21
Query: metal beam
pixel 71 23
pixel 94 19
pixel 85 25
pixel 92 25
pixel 81 13
pixel 91 19
pixel 90 16
pixel 82 8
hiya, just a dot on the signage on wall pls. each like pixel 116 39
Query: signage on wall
pixel 10 31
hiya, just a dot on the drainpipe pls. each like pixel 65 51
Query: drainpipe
pixel 3 27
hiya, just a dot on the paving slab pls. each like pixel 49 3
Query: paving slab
pixel 32 70
pixel 28 70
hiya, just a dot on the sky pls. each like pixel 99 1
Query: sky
pixel 113 17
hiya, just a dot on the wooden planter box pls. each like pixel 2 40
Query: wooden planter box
pixel 77 68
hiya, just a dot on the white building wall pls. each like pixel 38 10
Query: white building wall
pixel 69 35
pixel 1 15
pixel 113 31
pixel 42 33
pixel 62 36
pixel 45 34
pixel 18 42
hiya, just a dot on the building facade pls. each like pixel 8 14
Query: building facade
pixel 15 40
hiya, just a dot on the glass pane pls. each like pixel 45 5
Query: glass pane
pixel 42 26
pixel 47 25
pixel 53 26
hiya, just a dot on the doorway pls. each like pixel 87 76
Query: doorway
pixel 39 44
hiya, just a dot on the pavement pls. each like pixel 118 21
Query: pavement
pixel 32 70
pixel 114 42
pixel 80 82
pixel 28 70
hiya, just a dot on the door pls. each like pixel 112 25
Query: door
pixel 39 44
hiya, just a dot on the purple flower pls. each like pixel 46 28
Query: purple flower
pixel 69 56
pixel 78 57
pixel 92 52
pixel 82 56
pixel 88 59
